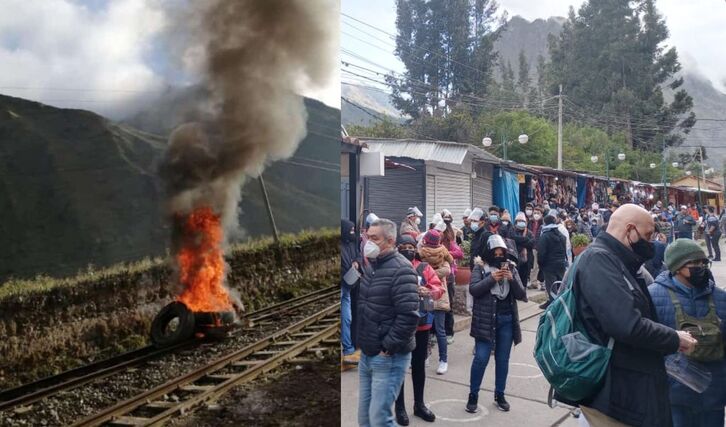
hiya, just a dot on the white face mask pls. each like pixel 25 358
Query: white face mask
pixel 528 212
pixel 537 217
pixel 418 221
pixel 371 250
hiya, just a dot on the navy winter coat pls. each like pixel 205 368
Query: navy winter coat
pixel 694 303
pixel 388 306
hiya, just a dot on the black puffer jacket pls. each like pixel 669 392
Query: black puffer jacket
pixel 635 390
pixel 485 304
pixel 388 306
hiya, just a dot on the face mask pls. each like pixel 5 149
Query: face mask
pixel 642 247
pixel 521 225
pixel 418 221
pixel 371 250
pixel 528 212
pixel 494 218
pixel 537 217
pixel 408 253
pixel 505 222
pixel 447 221
pixel 474 226
pixel 699 277
pixel 497 261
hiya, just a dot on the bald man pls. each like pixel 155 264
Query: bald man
pixel 613 302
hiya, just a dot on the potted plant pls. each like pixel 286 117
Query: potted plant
pixel 463 272
pixel 579 243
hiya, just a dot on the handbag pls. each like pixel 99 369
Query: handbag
pixel 425 302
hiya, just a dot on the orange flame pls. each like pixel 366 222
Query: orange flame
pixel 201 262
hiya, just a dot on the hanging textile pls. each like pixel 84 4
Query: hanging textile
pixel 506 190
pixel 581 191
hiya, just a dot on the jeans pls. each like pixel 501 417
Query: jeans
pixel 502 348
pixel 684 416
pixel 716 248
pixel 449 321
pixel 707 238
pixel 380 380
pixel 418 369
pixel 345 320
pixel 440 328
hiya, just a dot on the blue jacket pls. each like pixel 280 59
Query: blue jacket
pixel 694 303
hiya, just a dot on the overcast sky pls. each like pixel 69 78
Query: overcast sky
pixel 101 55
pixel 697 28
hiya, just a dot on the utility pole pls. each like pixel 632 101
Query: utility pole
pixel 559 132
pixel 665 174
pixel 703 176
pixel 266 198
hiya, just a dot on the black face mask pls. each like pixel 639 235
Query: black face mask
pixel 496 261
pixel 408 253
pixel 643 248
pixel 447 221
pixel 699 276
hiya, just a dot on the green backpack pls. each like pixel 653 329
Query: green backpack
pixel 569 359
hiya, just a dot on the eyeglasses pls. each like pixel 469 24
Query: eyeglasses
pixel 700 263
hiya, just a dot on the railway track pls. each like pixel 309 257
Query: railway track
pixel 32 392
pixel 209 382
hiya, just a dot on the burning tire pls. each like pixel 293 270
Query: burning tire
pixel 214 325
pixel 174 324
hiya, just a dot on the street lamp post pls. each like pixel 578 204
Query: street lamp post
pixel 522 139
pixel 621 157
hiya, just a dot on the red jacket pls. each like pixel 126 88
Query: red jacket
pixel 434 286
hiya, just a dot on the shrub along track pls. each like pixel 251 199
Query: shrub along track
pixel 63 398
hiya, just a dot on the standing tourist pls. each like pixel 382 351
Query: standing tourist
pixel 349 258
pixel 438 257
pixel 687 293
pixel 496 287
pixel 551 256
pixel 388 316
pixel 411 222
pixel 429 285
pixel 613 303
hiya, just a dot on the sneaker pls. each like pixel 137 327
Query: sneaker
pixel 420 410
pixel 471 404
pixel 450 339
pixel 428 362
pixel 542 288
pixel 501 402
pixel 443 367
pixel 351 359
pixel 533 286
pixel 401 417
pixel 545 305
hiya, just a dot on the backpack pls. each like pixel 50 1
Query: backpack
pixel 570 360
pixel 706 331
pixel 425 302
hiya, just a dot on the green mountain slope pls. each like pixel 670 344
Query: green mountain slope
pixel 77 189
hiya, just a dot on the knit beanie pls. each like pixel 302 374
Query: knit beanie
pixel 681 252
pixel 432 238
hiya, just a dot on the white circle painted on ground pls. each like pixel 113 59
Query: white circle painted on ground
pixel 526 377
pixel 478 416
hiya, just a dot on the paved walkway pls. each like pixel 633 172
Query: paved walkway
pixel 446 394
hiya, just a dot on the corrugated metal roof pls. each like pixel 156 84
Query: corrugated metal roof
pixel 440 151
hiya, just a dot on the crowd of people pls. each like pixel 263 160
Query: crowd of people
pixel 646 284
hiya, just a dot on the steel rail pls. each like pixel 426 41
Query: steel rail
pixel 206 383
pixel 32 392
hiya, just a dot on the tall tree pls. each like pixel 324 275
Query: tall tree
pixel 447 47
pixel 524 81
pixel 612 62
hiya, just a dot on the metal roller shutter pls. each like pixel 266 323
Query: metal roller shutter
pixel 391 195
pixel 453 192
pixel 483 182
